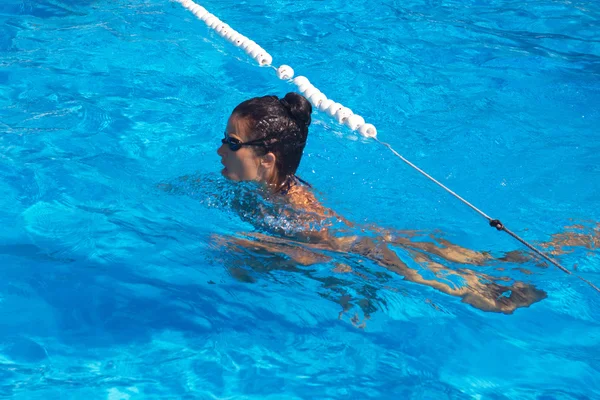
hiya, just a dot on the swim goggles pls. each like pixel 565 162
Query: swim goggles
pixel 236 144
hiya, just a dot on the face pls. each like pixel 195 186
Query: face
pixel 243 164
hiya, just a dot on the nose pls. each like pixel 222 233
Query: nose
pixel 221 150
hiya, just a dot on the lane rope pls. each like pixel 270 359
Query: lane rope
pixel 343 115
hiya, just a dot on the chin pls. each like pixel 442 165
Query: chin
pixel 225 172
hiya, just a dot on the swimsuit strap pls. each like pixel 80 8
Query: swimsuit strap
pixel 302 181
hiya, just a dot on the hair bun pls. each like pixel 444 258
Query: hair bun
pixel 298 107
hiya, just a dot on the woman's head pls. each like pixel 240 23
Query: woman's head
pixel 265 138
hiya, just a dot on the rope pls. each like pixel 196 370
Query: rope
pixel 434 180
pixel 493 222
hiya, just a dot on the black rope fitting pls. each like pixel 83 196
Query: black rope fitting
pixel 495 223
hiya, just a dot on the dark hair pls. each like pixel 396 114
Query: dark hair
pixel 283 123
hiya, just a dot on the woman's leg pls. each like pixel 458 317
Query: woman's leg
pixel 477 289
pixel 578 236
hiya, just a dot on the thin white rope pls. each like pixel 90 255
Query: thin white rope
pixel 434 180
pixel 493 222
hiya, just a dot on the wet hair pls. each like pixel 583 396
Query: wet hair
pixel 283 124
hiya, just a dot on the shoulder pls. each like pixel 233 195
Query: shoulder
pixel 302 198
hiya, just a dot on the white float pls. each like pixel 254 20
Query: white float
pixel 285 72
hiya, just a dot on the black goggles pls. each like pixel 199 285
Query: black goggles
pixel 236 144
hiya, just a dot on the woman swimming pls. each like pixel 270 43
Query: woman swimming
pixel 263 143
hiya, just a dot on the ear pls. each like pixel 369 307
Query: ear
pixel 268 160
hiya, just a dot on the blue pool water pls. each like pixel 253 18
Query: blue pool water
pixel 113 281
